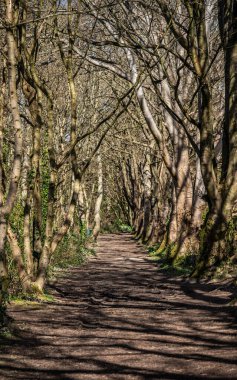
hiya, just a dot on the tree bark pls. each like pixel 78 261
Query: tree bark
pixel 97 216
pixel 6 208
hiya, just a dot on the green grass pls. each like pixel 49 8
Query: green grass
pixel 117 226
pixel 183 266
pixel 73 251
pixel 32 300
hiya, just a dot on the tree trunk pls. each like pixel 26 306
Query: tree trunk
pixel 6 208
pixel 18 259
pixel 219 231
pixel 3 261
pixel 97 217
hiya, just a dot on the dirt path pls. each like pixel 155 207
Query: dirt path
pixel 118 317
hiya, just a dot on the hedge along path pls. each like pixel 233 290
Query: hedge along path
pixel 120 317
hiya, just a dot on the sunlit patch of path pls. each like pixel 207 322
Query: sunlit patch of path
pixel 119 317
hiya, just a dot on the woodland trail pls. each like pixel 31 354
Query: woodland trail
pixel 119 317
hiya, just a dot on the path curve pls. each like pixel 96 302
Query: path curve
pixel 119 317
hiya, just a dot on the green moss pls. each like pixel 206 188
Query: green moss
pixel 163 246
pixel 24 302
pixel 216 246
pixel 152 250
pixel 5 333
pixel 172 252
pixel 31 299
pixel 179 268
pixel 166 257
pixel 46 298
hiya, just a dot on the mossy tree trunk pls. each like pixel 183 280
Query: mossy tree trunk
pixel 217 236
pixel 6 206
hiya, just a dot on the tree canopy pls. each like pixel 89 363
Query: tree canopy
pixel 117 113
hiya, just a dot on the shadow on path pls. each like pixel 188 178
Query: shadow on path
pixel 119 317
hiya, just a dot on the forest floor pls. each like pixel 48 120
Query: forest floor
pixel 120 317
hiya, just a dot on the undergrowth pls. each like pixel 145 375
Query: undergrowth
pixel 73 251
pixel 117 226
pixel 182 266
pixel 185 264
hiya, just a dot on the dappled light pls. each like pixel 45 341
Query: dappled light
pixel 120 318
pixel 118 189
